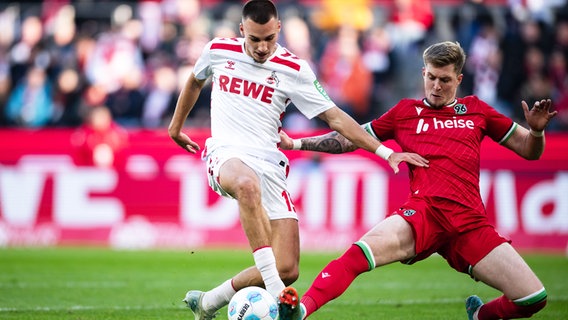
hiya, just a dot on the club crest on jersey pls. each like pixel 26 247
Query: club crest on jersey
pixel 273 79
pixel 230 65
pixel 408 212
pixel 460 108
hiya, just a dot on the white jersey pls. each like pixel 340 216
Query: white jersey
pixel 249 99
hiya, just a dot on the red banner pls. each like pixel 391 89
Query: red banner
pixel 140 190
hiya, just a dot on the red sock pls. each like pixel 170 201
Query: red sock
pixel 503 308
pixel 335 278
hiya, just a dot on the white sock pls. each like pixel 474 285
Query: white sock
pixel 266 263
pixel 218 297
pixel 475 314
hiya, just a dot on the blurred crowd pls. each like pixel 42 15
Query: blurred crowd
pixel 61 59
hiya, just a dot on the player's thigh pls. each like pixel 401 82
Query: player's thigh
pixel 391 240
pixel 505 270
pixel 286 242
pixel 234 175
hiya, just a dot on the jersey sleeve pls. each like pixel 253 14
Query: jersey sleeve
pixel 202 69
pixel 499 127
pixel 308 95
pixel 383 127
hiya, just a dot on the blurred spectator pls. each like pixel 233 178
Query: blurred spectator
pixel 410 22
pixel 94 95
pixel 468 19
pixel 561 37
pixel 31 102
pixel 99 140
pixel 537 85
pixel 377 57
pixel 127 102
pixel 29 51
pixel 484 63
pixel 61 45
pixel 514 47
pixel 151 17
pixel 67 100
pixel 115 55
pixel 535 10
pixel 346 78
pixel 5 85
pixel 296 37
pixel 409 25
pixel 161 99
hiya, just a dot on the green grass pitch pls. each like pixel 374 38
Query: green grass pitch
pixel 96 283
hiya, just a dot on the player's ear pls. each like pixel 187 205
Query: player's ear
pixel 460 78
pixel 241 30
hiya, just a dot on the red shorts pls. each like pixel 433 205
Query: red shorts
pixel 459 234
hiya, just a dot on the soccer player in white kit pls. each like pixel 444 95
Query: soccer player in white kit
pixel 254 79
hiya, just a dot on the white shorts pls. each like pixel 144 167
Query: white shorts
pixel 271 168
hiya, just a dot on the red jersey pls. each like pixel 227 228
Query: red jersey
pixel 450 138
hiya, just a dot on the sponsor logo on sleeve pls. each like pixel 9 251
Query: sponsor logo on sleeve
pixel 321 90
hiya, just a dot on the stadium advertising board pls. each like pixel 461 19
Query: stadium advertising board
pixel 150 193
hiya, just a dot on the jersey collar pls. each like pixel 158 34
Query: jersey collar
pixel 448 105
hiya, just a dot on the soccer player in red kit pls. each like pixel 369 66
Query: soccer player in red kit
pixel 444 212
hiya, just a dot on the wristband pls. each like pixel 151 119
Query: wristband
pixel 384 152
pixel 296 144
pixel 538 134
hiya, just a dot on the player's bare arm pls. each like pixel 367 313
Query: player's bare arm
pixel 339 121
pixel 529 143
pixel 335 143
pixel 185 103
pixel 332 142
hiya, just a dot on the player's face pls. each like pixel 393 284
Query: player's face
pixel 440 84
pixel 260 39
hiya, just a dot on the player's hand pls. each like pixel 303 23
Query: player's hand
pixel 185 142
pixel 412 158
pixel 539 115
pixel 286 143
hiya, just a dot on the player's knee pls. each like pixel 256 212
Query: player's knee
pixel 246 189
pixel 289 274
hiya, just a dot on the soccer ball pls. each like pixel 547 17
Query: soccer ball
pixel 253 303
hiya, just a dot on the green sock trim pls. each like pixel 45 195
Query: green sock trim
pixel 534 298
pixel 368 254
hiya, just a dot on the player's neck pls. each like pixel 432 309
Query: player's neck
pixel 425 101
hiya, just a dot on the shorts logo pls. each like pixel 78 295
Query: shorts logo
pixel 409 212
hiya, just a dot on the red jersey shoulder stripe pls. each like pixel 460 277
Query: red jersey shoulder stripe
pixel 227 46
pixel 287 63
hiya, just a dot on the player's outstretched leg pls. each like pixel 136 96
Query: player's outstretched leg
pixel 193 299
pixel 289 307
pixel 472 305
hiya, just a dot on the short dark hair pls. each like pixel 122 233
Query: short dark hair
pixel 445 53
pixel 260 11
